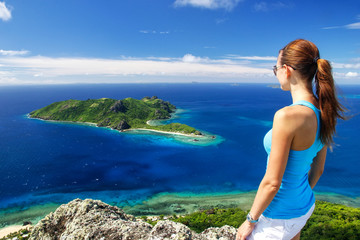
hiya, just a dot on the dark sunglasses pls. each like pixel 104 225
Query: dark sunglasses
pixel 276 68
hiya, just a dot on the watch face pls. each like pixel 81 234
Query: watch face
pixel 249 218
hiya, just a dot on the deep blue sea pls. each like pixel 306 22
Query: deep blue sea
pixel 46 162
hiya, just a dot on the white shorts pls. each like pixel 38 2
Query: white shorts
pixel 269 228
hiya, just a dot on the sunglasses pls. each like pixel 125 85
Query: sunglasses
pixel 276 68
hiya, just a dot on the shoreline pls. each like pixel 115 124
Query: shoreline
pixel 62 121
pixel 164 132
pixel 126 130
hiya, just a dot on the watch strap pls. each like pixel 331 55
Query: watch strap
pixel 250 219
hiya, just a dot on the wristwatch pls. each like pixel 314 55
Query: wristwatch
pixel 250 219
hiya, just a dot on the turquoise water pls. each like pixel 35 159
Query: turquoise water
pixel 44 163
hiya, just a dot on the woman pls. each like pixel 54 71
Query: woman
pixel 296 145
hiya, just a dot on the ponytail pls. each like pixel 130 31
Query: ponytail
pixel 304 56
pixel 329 105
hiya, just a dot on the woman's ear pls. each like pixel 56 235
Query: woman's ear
pixel 287 71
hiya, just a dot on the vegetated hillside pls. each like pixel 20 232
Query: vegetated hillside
pixel 329 221
pixel 117 114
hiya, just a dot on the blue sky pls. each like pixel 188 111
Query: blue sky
pixel 116 41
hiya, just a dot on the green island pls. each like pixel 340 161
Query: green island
pixel 122 115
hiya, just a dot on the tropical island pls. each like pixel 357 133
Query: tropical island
pixel 122 115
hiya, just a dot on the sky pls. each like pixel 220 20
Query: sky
pixel 146 41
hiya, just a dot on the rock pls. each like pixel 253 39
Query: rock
pixel 171 230
pixel 122 125
pixel 223 233
pixel 93 219
pixel 158 114
pixel 118 106
pixel 104 123
pixel 89 219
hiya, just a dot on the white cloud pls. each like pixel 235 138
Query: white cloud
pixel 221 20
pixel 252 58
pixel 5 13
pixel 265 6
pixel 346 65
pixel 153 32
pixel 38 74
pixel 353 26
pixel 191 58
pixel 210 4
pixel 334 27
pixel 261 7
pixel 347 72
pixel 351 74
pixel 148 31
pixel 39 69
pixel 13 53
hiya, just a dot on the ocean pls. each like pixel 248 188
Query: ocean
pixel 44 164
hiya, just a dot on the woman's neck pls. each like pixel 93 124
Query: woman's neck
pixel 301 92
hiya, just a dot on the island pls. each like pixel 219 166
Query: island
pixel 121 115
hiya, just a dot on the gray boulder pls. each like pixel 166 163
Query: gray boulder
pixel 122 125
pixel 93 219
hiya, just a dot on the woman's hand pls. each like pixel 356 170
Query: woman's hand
pixel 244 230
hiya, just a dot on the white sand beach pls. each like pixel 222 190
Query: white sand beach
pixel 11 229
pixel 164 132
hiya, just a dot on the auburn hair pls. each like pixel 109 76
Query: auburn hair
pixel 304 56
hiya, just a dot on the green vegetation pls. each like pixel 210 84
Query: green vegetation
pixel 333 221
pixel 329 221
pixel 199 221
pixel 117 114
pixel 23 234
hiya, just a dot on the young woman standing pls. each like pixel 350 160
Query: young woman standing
pixel 296 145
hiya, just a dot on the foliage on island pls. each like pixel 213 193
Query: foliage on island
pixel 329 221
pixel 117 114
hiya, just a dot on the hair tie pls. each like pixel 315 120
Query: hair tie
pixel 315 59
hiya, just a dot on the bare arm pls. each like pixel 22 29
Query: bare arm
pixel 282 135
pixel 317 167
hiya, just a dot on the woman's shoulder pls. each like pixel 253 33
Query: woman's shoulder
pixel 289 112
pixel 295 111
pixel 294 116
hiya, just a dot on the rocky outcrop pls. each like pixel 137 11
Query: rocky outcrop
pixel 93 219
pixel 104 123
pixel 122 125
pixel 118 106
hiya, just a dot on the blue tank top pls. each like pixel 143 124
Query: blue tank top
pixel 295 196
